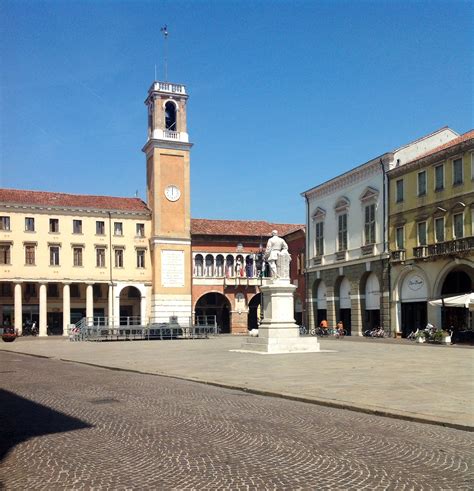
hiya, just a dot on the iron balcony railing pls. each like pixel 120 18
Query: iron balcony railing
pixel 399 255
pixel 447 248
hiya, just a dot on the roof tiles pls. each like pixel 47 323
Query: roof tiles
pixel 460 139
pixel 63 200
pixel 200 226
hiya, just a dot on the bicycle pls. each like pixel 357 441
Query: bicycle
pixel 412 336
pixel 319 331
pixel 303 331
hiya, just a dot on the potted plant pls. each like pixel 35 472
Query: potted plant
pixel 441 336
pixel 420 336
pixel 8 335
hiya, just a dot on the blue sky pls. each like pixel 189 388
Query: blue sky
pixel 283 95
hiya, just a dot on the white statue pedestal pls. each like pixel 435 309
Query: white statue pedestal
pixel 278 332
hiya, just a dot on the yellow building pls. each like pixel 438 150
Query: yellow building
pixel 64 257
pixel 431 234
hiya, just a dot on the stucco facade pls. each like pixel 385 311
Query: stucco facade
pixel 431 235
pixel 347 267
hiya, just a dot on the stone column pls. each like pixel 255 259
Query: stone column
pixel 89 303
pixel 116 307
pixel 18 309
pixel 66 308
pixel 356 313
pixel 330 307
pixel 143 319
pixel 43 310
pixel 110 307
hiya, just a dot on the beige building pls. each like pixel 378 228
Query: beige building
pixel 64 257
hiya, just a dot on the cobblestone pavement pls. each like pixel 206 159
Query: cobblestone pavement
pixel 70 426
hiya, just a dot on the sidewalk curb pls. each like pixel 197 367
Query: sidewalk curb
pixel 318 402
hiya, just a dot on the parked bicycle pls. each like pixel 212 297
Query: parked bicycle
pixel 303 331
pixel 378 332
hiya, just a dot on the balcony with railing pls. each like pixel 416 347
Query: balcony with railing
pixel 398 255
pixel 448 248
pixel 168 87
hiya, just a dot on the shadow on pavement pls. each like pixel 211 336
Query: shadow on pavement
pixel 22 419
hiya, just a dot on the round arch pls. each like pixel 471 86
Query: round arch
pixel 342 291
pixel 319 301
pixel 254 313
pixel 130 300
pixel 463 265
pixel 411 292
pixel 214 304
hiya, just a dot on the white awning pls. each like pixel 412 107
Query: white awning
pixel 455 301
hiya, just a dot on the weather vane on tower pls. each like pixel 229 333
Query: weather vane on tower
pixel 164 30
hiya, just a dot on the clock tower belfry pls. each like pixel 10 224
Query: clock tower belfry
pixel 168 195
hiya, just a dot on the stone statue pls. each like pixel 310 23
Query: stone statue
pixel 277 256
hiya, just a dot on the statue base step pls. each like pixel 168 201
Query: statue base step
pixel 280 345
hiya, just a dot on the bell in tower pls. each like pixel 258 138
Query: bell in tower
pixel 167 112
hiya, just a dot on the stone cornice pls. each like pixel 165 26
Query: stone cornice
pixel 360 173
pixel 166 144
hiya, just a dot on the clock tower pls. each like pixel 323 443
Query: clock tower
pixel 168 194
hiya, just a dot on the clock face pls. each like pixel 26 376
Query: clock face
pixel 172 192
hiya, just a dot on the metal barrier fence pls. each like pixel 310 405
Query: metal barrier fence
pixel 99 329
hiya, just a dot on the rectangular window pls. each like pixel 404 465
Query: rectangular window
pixel 399 191
pixel 97 291
pixel 29 224
pixel 370 224
pixel 100 257
pixel 53 290
pixel 400 238
pixel 74 290
pixel 54 225
pixel 77 226
pixel 422 183
pixel 439 229
pixel 77 254
pixel 6 289
pixel 421 233
pixel 342 232
pixel 30 254
pixel 118 228
pixel 54 255
pixel 319 238
pixel 457 172
pixel 30 290
pixel 439 177
pixel 140 229
pixel 119 258
pixel 458 226
pixel 100 228
pixel 5 223
pixel 140 258
pixel 5 256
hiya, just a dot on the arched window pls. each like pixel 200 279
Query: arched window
pixel 220 265
pixel 209 265
pixel 229 266
pixel 198 265
pixel 170 116
pixel 239 265
pixel 249 269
